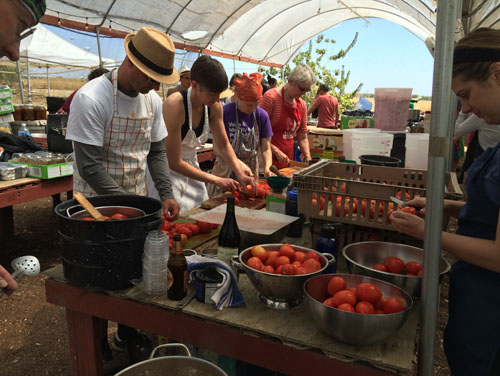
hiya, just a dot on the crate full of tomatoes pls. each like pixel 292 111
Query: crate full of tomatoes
pixel 360 194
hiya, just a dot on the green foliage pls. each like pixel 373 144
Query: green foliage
pixel 318 60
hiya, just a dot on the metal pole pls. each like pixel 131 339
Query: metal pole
pixel 98 45
pixel 20 79
pixel 234 66
pixel 48 82
pixel 439 145
pixel 29 80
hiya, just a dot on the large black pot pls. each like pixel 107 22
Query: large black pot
pixel 106 255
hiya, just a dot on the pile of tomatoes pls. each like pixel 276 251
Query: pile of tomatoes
pixel 262 190
pixel 285 261
pixel 397 266
pixel 186 230
pixel 114 217
pixel 365 298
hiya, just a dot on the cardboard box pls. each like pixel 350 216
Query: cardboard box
pixel 350 122
pixel 49 171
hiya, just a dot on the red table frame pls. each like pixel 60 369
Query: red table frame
pixel 24 191
pixel 85 311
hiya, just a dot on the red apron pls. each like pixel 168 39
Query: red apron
pixel 286 129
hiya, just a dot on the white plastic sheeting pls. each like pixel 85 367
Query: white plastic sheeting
pixel 45 47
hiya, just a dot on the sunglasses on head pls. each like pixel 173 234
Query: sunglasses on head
pixel 25 34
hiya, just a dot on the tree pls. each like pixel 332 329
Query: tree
pixel 336 79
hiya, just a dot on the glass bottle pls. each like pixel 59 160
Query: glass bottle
pixel 229 235
pixel 177 272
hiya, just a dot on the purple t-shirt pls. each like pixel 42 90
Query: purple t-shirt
pixel 265 130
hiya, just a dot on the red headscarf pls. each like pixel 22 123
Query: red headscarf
pixel 249 88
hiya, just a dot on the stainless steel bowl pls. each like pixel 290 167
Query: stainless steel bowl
pixel 276 288
pixel 349 327
pixel 249 239
pixel 362 256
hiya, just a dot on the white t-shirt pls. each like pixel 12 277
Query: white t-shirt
pixel 488 135
pixel 92 110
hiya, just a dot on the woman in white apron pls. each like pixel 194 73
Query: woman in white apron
pixel 248 129
pixel 189 116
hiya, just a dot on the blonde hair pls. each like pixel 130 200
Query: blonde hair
pixel 480 38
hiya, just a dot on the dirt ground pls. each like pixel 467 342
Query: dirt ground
pixel 33 336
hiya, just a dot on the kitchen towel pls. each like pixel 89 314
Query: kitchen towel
pixel 228 294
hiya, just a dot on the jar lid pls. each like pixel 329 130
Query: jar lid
pixel 292 195
pixel 328 230
pixel 209 274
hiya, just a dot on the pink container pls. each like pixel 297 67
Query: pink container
pixel 391 108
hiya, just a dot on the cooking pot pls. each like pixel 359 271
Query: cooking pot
pixel 106 255
pixel 106 211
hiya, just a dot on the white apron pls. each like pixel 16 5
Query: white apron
pixel 126 145
pixel 188 192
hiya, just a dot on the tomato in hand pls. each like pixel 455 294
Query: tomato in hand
pixel 368 292
pixel 410 210
pixel 336 284
pixel 394 265
pixel 165 226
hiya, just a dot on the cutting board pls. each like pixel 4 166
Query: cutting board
pixel 196 240
pixel 294 167
pixel 244 202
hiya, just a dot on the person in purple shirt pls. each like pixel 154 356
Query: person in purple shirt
pixel 248 129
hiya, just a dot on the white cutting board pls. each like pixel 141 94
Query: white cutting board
pixel 257 221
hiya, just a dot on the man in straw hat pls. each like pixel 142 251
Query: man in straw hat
pixel 185 81
pixel 16 17
pixel 117 128
pixel 248 129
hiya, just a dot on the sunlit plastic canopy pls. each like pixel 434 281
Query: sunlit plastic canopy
pixel 270 31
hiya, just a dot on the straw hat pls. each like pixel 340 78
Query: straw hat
pixel 226 93
pixel 153 52
pixel 184 70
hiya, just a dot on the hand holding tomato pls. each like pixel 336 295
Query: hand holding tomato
pixel 408 224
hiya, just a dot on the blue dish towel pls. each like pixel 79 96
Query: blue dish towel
pixel 228 294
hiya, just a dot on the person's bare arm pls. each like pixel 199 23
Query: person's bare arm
pixel 265 147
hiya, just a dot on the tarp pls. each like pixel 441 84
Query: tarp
pixel 271 30
pixel 43 46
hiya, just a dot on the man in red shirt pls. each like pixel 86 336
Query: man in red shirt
pixel 288 114
pixel 328 108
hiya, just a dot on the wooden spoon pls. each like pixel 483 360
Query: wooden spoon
pixel 274 169
pixel 89 207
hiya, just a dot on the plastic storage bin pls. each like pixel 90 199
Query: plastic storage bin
pixel 391 108
pixel 417 150
pixel 347 135
pixel 372 144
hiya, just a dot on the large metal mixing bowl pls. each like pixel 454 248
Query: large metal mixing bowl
pixel 350 327
pixel 275 287
pixel 362 256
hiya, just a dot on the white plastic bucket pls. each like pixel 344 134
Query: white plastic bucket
pixel 391 108
pixel 347 135
pixel 371 144
pixel 417 150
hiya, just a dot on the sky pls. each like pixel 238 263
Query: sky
pixel 385 55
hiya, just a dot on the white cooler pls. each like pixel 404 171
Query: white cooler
pixel 417 150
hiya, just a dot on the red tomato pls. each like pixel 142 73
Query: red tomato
pixel 165 226
pixel 184 230
pixel 380 267
pixel 336 284
pixel 289 269
pixel 287 250
pixel 344 296
pixel 365 307
pixel 311 265
pixel 394 265
pixel 88 219
pixel 380 304
pixel 205 227
pixel 282 260
pixel 413 267
pixel 329 302
pixel 420 272
pixel 260 252
pixel 337 210
pixel 195 229
pixel 345 307
pixel 301 270
pixel 235 194
pixel 119 216
pixel 300 256
pixel 297 263
pixel 378 312
pixel 368 292
pixel 394 305
pixel 255 263
pixel 279 269
pixel 312 255
pixel 271 258
pixel 268 269
pixel 352 289
pixel 409 209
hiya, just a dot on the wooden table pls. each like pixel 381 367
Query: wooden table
pixel 205 154
pixel 288 341
pixel 13 192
